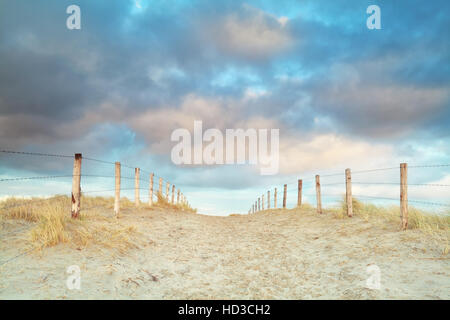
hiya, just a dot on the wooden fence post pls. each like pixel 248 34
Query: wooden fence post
pixel 76 186
pixel 268 199
pixel 275 199
pixel 160 192
pixel 178 196
pixel 318 196
pixel 348 192
pixel 404 194
pixel 136 186
pixel 259 204
pixel 299 195
pixel 284 196
pixel 167 191
pixel 117 190
pixel 150 191
pixel 262 201
pixel 173 194
pixel 256 206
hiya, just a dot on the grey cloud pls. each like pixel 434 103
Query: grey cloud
pixel 143 63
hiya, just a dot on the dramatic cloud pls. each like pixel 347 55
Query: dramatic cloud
pixel 383 108
pixel 341 95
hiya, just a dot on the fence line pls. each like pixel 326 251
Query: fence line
pixel 262 201
pixel 77 176
pixel 348 195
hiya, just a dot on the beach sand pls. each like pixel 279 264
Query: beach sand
pixel 294 254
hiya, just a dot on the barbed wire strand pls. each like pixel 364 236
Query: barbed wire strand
pixel 17 230
pixel 36 154
pixel 35 178
pixel 17 256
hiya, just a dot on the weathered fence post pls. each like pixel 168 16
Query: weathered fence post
pixel 160 192
pixel 262 202
pixel 259 204
pixel 299 195
pixel 348 192
pixel 178 196
pixel 117 190
pixel 76 186
pixel 404 194
pixel 256 206
pixel 268 199
pixel 275 199
pixel 167 191
pixel 284 196
pixel 173 194
pixel 318 196
pixel 136 186
pixel 150 191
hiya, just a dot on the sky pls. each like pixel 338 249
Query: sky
pixel 341 95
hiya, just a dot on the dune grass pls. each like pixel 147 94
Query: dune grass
pixel 97 224
pixel 54 225
pixel 164 204
pixel 417 218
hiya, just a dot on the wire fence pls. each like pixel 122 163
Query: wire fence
pixel 332 190
pixel 88 175
pixel 333 187
pixel 142 191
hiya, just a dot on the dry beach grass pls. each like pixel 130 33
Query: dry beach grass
pixel 167 253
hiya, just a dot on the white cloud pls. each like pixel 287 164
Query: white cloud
pixel 254 93
pixel 327 151
pixel 252 34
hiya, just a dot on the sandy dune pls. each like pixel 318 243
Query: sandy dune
pixel 271 255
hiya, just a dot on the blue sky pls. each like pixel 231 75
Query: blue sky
pixel 341 95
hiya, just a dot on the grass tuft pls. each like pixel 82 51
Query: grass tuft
pixel 417 218
pixel 54 225
pixel 164 204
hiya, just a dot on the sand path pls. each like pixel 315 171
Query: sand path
pixel 283 255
